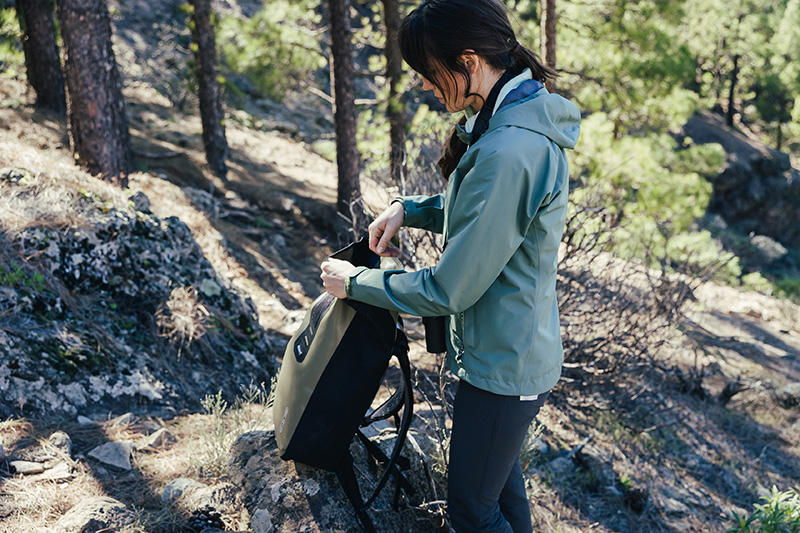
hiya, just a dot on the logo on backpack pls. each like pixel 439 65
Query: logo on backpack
pixel 283 420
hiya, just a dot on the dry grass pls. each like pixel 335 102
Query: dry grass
pixel 181 318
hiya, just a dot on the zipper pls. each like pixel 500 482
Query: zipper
pixel 459 336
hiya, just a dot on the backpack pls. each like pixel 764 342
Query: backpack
pixel 331 371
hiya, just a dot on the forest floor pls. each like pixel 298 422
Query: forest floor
pixel 665 454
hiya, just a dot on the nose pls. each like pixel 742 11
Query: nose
pixel 426 85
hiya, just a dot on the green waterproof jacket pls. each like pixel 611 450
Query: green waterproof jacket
pixel 502 216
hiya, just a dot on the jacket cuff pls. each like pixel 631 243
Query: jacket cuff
pixel 414 216
pixel 348 289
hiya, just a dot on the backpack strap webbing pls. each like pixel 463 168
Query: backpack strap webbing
pixel 396 401
pixel 347 479
pixel 401 464
pixel 401 352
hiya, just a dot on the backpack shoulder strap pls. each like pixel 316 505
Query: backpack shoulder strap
pixel 347 479
pixel 401 352
pixel 396 401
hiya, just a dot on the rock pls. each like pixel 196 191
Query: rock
pixel 61 442
pixel 769 248
pixel 758 190
pixel 540 446
pixel 148 426
pixel 179 488
pixel 94 515
pixel 8 298
pixel 209 288
pixel 115 453
pixel 261 522
pixel 61 472
pixel 561 465
pixel 26 467
pixel 599 463
pixel 788 396
pixel 122 420
pixel 141 202
pixel 287 496
pixel 193 494
pixel 159 439
pixel 84 421
pixel 106 247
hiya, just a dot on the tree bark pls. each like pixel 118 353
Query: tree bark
pixel 732 91
pixel 42 62
pixel 209 91
pixel 349 189
pixel 98 125
pixel 548 32
pixel 396 109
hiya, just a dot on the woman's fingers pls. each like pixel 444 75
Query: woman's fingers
pixel 384 228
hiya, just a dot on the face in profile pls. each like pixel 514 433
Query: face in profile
pixel 449 88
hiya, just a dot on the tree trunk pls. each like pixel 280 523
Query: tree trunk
pixel 98 126
pixel 42 63
pixel 349 189
pixel 732 92
pixel 548 32
pixel 396 109
pixel 209 92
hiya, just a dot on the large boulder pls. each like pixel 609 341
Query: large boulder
pixel 286 496
pixel 757 191
pixel 108 305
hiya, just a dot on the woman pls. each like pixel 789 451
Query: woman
pixel 502 217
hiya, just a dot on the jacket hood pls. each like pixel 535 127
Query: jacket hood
pixel 548 114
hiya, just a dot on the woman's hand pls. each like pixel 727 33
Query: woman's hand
pixel 334 274
pixel 384 228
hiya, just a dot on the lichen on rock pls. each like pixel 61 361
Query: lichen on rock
pixel 86 273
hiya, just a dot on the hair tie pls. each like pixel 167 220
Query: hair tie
pixel 516 47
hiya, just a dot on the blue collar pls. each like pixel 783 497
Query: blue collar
pixel 526 88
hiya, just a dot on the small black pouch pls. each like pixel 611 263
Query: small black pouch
pixel 435 327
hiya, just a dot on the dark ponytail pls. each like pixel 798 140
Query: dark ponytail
pixel 435 35
pixel 452 151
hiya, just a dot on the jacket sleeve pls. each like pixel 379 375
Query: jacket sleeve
pixel 424 212
pixel 493 210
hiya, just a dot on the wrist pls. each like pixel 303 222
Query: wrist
pixel 402 204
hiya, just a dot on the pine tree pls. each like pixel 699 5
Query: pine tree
pixel 209 91
pixel 396 109
pixel 42 62
pixel 97 123
pixel 347 160
pixel 549 38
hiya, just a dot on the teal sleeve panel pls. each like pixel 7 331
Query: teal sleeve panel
pixel 489 219
pixel 424 212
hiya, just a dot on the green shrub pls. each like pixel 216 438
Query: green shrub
pixel 275 49
pixel 789 287
pixel 780 513
pixel 12 60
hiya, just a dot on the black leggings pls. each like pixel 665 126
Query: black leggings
pixel 486 490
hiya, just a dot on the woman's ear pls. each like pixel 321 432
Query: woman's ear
pixel 470 60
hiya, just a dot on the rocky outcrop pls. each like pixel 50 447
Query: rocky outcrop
pixel 287 496
pixel 104 305
pixel 758 191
